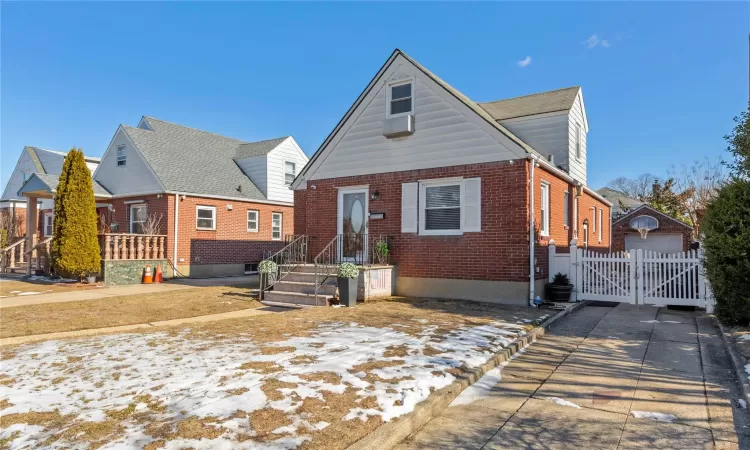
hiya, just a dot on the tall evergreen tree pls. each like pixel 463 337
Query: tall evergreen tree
pixel 75 245
pixel 726 233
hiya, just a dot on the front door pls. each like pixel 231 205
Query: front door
pixel 352 225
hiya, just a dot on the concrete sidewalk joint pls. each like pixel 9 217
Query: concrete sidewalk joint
pixel 391 434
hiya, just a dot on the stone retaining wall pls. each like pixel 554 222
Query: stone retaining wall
pixel 122 272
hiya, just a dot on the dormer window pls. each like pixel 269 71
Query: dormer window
pixel 289 172
pixel 400 98
pixel 121 155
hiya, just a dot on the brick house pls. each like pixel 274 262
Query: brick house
pixel 220 203
pixel 666 234
pixel 466 192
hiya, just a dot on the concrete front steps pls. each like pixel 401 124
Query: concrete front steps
pixel 297 289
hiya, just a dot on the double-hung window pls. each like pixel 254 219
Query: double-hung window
pixel 48 224
pixel 276 226
pixel 400 98
pixel 593 219
pixel 600 224
pixel 252 221
pixel 289 172
pixel 121 158
pixel 441 207
pixel 566 208
pixel 544 218
pixel 138 215
pixel 205 217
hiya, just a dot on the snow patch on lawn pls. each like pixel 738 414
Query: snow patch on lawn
pixel 745 337
pixel 203 378
pixel 747 369
pixel 650 321
pixel 563 402
pixel 742 403
pixel 659 417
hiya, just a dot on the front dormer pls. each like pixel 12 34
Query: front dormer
pixel 272 166
pixel 554 123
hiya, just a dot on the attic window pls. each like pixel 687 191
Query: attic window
pixel 400 98
pixel 121 155
pixel 289 172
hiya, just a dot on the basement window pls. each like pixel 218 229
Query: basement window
pixel 205 217
pixel 121 158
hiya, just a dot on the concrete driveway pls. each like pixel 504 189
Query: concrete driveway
pixel 605 378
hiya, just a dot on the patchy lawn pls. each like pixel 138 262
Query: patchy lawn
pixel 315 378
pixel 124 310
pixel 12 287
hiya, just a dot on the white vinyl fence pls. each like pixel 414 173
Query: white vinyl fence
pixel 638 277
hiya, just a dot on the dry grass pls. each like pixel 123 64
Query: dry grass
pixel 406 316
pixel 124 310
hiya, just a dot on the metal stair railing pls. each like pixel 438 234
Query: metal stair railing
pixel 327 261
pixel 288 258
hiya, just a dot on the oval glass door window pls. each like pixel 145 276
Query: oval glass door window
pixel 357 215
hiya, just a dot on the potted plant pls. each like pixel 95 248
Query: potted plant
pixel 381 251
pixel 90 278
pixel 267 270
pixel 560 288
pixel 348 276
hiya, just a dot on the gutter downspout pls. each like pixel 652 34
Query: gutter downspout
pixel 533 162
pixel 176 228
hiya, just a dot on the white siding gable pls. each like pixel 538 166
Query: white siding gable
pixel 546 133
pixel 135 177
pixel 577 166
pixel 256 168
pixel 288 150
pixel 24 165
pixel 447 133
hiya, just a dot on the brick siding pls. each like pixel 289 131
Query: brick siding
pixel 229 243
pixel 500 252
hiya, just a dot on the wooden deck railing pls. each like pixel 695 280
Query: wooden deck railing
pixel 122 246
pixel 12 256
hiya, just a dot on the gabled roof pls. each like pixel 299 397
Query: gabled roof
pixel 193 161
pixel 527 105
pixel 644 208
pixel 48 183
pixel 258 148
pixel 616 197
pixel 53 157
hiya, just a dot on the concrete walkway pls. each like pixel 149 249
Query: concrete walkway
pixel 605 378
pixel 117 291
pixel 123 328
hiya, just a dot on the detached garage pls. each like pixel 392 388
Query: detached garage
pixel 649 229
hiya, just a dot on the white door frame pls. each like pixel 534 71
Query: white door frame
pixel 340 215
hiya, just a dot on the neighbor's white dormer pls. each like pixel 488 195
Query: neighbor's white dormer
pixel 272 165
pixel 554 123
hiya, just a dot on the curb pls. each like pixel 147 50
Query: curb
pixel 736 359
pixel 391 434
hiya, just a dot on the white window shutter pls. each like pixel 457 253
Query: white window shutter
pixel 409 195
pixel 472 205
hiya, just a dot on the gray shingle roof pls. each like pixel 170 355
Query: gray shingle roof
pixel 49 183
pixel 527 105
pixel 193 161
pixel 616 197
pixel 258 148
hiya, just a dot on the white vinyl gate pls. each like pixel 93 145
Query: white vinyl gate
pixel 637 277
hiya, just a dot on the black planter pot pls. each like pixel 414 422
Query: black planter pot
pixel 559 292
pixel 348 291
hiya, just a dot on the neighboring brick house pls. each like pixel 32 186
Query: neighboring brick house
pixel 33 160
pixel 222 203
pixel 667 234
pixel 448 181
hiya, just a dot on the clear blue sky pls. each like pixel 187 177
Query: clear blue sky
pixel 661 81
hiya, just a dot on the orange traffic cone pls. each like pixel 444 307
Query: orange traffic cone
pixel 158 277
pixel 148 277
